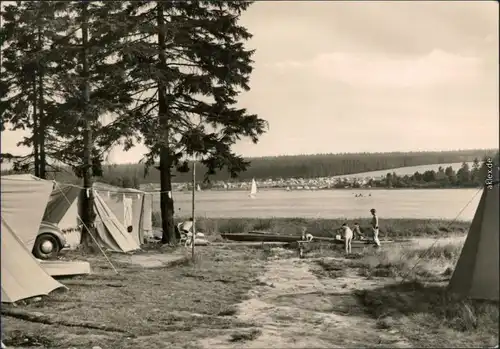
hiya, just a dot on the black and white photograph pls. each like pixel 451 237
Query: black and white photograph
pixel 249 174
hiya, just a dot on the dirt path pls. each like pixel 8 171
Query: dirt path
pixel 295 309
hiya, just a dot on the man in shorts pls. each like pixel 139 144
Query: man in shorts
pixel 347 234
pixel 374 225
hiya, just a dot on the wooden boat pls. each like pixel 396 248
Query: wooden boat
pixel 259 236
pixel 252 243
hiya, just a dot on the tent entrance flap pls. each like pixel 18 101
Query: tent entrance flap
pixel 111 232
pixel 127 206
pixel 60 202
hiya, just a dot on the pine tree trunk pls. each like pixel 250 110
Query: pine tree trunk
pixel 166 200
pixel 36 133
pixel 88 197
pixel 41 117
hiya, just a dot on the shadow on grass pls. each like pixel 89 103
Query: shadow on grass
pixel 330 269
pixel 321 302
pixel 428 315
pixel 23 340
pixel 243 336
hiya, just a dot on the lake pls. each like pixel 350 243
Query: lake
pixel 397 203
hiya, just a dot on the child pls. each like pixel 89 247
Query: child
pixel 306 236
pixel 357 232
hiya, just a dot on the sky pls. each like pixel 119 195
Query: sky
pixel 333 77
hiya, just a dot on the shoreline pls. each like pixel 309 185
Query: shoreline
pixel 327 189
pixel 389 227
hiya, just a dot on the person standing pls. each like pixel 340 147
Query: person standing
pixel 374 224
pixel 347 232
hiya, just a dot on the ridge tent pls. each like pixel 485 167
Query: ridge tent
pixel 476 273
pixel 111 232
pixel 132 207
pixel 23 200
pixel 22 276
pixel 111 222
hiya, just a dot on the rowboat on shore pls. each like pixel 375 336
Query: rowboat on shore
pixel 256 236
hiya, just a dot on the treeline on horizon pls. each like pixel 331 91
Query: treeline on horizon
pixel 296 166
pixel 465 177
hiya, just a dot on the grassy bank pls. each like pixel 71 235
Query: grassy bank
pixel 412 298
pixel 235 296
pixel 142 307
pixel 389 228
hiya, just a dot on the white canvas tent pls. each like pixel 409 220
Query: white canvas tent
pixel 477 270
pixel 132 207
pixel 24 199
pixel 22 196
pixel 117 209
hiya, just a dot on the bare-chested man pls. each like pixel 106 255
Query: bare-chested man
pixel 374 224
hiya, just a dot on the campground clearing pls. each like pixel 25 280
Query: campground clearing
pixel 256 297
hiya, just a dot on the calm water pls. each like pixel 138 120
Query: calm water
pixel 404 203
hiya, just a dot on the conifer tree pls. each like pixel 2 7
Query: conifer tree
pixel 28 70
pixel 95 89
pixel 191 63
pixel 72 113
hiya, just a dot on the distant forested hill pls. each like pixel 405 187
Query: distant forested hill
pixel 304 166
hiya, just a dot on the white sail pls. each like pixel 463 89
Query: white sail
pixel 198 187
pixel 253 190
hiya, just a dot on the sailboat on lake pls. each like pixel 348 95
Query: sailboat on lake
pixel 198 187
pixel 253 189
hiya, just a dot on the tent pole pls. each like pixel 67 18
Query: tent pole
pixel 193 209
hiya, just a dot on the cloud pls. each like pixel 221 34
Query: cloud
pixel 379 70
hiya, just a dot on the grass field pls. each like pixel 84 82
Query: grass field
pixel 142 308
pixel 389 228
pixel 241 297
pixel 417 306
pixel 233 296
